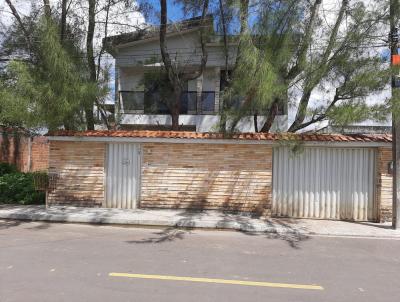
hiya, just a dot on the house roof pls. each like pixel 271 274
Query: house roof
pixel 309 137
pixel 152 31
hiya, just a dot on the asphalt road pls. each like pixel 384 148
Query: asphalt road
pixel 70 262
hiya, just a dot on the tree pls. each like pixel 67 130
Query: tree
pixel 82 25
pixel 51 93
pixel 177 75
pixel 302 54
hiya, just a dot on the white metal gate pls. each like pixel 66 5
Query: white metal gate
pixel 329 183
pixel 122 175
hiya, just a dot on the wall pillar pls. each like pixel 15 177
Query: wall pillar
pixel 199 90
pixel 217 75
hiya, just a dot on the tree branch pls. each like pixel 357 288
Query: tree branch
pixel 204 53
pixel 312 81
pixel 302 53
pixel 172 74
pixel 322 116
pixel 244 15
pixel 21 24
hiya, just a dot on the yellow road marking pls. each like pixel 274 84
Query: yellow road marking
pixel 220 281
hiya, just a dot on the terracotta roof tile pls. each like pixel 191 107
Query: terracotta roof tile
pixel 382 138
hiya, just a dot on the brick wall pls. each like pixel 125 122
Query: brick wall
pixel 39 153
pixel 384 184
pixel 204 176
pixel 29 154
pixel 77 170
pixel 194 176
pixel 13 150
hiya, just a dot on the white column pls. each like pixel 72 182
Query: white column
pixel 217 74
pixel 199 90
pixel 117 88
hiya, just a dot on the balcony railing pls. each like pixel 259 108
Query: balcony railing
pixel 151 103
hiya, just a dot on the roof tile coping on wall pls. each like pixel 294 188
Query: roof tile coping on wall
pixel 309 137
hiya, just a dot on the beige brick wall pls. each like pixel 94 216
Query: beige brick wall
pixel 195 176
pixel 384 184
pixel 79 168
pixel 204 176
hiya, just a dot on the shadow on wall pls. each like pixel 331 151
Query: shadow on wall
pixel 210 191
pixel 75 188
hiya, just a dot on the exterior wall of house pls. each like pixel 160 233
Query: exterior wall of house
pixel 132 62
pixel 384 184
pixel 202 123
pixel 131 79
pixel 203 176
pixel 76 172
pixel 183 47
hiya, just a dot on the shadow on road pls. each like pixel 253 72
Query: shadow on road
pixel 278 229
pixel 7 224
pixel 167 235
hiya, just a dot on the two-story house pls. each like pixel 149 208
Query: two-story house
pixel 138 102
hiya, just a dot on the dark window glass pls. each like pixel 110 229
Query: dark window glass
pixel 208 102
pixel 132 100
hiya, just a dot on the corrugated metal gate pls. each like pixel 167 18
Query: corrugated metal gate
pixel 329 183
pixel 122 175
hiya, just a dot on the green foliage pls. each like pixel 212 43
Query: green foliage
pixel 287 55
pixel 19 188
pixel 53 91
pixel 6 168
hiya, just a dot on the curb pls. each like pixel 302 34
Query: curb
pixel 179 223
pixel 188 223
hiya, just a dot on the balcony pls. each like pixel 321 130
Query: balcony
pixel 139 102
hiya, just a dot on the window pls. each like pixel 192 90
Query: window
pixel 131 101
pixel 208 102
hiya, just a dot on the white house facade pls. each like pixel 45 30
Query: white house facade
pixel 138 106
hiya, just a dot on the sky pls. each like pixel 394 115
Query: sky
pixel 175 12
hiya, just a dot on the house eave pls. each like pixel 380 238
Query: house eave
pixel 151 39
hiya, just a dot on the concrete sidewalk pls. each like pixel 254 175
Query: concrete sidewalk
pixel 205 219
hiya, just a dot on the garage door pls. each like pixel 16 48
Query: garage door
pixel 328 183
pixel 122 175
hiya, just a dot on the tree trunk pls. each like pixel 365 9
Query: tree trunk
pixel 47 8
pixel 271 116
pixel 175 121
pixel 90 61
pixel 255 119
pixel 175 108
pixel 175 76
pixel 63 24
pixel 99 106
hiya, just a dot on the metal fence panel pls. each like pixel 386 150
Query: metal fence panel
pixel 122 175
pixel 328 183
